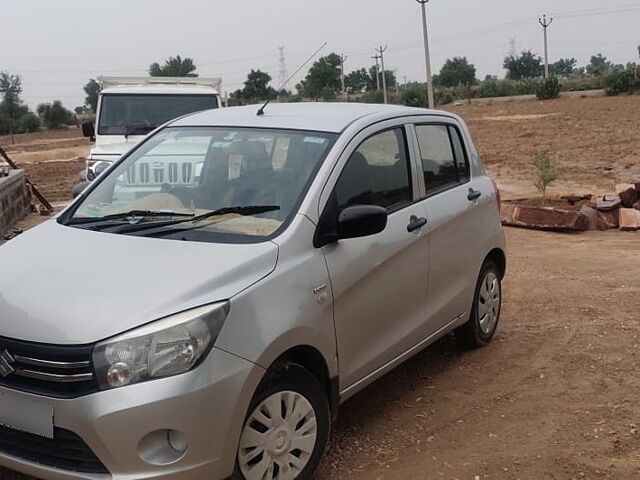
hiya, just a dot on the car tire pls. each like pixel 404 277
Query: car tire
pixel 292 445
pixel 485 312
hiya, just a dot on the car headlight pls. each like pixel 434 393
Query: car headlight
pixel 167 347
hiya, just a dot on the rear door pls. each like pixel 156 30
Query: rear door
pixel 451 203
pixel 379 282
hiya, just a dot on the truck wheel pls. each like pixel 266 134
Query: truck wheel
pixel 287 428
pixel 485 312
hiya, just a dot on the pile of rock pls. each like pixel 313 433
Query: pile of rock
pixel 621 210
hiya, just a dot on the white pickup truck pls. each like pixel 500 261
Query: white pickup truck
pixel 131 107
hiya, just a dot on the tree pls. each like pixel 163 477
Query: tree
pixel 389 76
pixel 54 115
pixel 323 79
pixel 92 89
pixel 564 67
pixel 457 71
pixel 357 81
pixel 527 65
pixel 11 107
pixel 547 172
pixel 257 88
pixel 174 67
pixel 599 65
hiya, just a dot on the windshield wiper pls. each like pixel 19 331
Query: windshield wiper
pixel 238 210
pixel 134 217
pixel 139 128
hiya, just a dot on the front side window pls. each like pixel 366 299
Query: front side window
pixel 206 184
pixel 130 114
pixel 443 160
pixel 377 173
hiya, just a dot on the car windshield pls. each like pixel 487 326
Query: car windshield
pixel 131 114
pixel 205 184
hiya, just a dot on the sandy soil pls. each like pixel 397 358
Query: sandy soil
pixel 596 141
pixel 555 395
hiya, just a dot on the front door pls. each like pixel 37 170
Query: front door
pixel 379 282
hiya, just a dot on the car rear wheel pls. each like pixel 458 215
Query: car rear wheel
pixel 485 314
pixel 286 430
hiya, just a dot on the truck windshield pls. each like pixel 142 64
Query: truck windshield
pixel 138 114
pixel 210 184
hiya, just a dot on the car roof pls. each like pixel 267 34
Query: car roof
pixel 315 116
pixel 160 90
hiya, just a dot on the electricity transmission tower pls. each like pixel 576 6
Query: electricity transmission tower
pixel 282 71
pixel 380 51
pixel 545 24
pixel 512 47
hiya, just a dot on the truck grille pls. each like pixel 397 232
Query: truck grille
pixel 51 370
pixel 66 450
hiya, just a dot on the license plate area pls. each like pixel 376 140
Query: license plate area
pixel 27 415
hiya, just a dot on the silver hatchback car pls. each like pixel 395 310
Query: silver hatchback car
pixel 203 308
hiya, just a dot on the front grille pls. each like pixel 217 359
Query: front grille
pixel 51 370
pixel 65 451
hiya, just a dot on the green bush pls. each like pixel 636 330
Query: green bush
pixel 580 83
pixel 28 123
pixel 444 95
pixel 507 88
pixel 414 95
pixel 54 115
pixel 548 89
pixel 622 80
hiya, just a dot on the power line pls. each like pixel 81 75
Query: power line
pixel 545 25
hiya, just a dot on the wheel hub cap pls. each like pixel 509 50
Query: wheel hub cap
pixel 278 438
pixel 489 303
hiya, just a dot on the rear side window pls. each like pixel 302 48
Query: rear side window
pixel 377 173
pixel 443 159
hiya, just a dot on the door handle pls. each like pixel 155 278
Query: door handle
pixel 473 195
pixel 416 223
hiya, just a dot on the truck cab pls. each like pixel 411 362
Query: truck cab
pixel 131 107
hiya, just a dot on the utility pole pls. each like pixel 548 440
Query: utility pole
pixel 343 59
pixel 427 57
pixel 545 25
pixel 381 51
pixel 376 58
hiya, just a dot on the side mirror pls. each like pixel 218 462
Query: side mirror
pixel 353 222
pixel 88 130
pixel 361 221
pixel 79 188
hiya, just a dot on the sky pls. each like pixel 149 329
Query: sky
pixel 56 46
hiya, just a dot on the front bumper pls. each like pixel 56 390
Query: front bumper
pixel 207 405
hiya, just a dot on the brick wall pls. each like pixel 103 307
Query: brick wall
pixel 14 200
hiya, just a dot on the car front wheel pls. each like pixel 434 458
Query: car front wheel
pixel 286 430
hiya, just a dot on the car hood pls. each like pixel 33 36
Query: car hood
pixel 66 285
pixel 115 147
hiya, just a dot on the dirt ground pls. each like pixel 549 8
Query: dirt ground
pixel 555 395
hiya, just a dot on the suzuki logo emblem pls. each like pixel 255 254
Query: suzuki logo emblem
pixel 6 360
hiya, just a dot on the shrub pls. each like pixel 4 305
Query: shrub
pixel 622 80
pixel 548 89
pixel 547 172
pixel 414 95
pixel 580 83
pixel 28 123
pixel 54 115
pixel 443 95
pixel 506 88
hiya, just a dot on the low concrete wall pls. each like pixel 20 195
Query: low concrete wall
pixel 14 200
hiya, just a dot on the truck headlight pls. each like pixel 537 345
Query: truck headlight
pixel 163 348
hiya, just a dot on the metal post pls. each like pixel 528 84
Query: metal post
pixel 427 57
pixel 381 51
pixel 545 25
